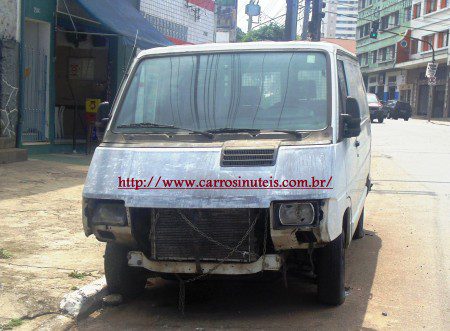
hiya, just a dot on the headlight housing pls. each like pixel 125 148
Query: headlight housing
pixel 299 214
pixel 106 212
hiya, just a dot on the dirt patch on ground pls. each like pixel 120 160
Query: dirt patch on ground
pixel 43 251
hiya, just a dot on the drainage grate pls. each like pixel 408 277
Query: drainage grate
pixel 248 157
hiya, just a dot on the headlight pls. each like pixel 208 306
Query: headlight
pixel 108 212
pixel 296 214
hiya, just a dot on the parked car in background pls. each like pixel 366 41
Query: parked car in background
pixel 398 109
pixel 376 108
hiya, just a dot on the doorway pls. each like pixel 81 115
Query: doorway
pixel 438 103
pixel 391 93
pixel 36 50
pixel 422 105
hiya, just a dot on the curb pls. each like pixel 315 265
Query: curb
pixel 85 300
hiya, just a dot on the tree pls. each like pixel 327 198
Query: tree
pixel 272 31
pixel 239 34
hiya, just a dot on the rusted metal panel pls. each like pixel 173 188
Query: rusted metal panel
pixel 272 262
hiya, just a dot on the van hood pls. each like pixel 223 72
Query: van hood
pixel 110 164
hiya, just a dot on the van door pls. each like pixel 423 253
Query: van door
pixel 362 143
pixel 350 151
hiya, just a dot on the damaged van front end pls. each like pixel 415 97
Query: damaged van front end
pixel 223 161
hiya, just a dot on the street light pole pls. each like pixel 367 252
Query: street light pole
pixel 290 29
pixel 306 20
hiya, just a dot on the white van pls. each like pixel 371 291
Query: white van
pixel 233 159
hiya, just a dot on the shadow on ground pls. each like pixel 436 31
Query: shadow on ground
pixel 245 304
pixel 42 174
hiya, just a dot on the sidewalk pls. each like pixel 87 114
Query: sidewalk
pixel 43 251
pixel 439 121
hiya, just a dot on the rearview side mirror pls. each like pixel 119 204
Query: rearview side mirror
pixel 352 119
pixel 103 115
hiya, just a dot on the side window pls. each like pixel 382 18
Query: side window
pixel 343 91
pixel 356 87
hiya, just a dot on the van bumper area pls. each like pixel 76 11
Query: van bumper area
pixel 269 262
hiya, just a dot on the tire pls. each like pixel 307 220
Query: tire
pixel 371 120
pixel 406 118
pixel 380 119
pixel 121 278
pixel 331 272
pixel 359 232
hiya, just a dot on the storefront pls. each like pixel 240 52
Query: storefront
pixel 74 53
pixel 420 93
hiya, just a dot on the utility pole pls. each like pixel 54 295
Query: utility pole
pixel 306 20
pixel 290 29
pixel 316 19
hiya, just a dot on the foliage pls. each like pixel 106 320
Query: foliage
pixel 4 254
pixel 15 322
pixel 272 31
pixel 78 275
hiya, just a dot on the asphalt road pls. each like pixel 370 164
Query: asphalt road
pixel 398 276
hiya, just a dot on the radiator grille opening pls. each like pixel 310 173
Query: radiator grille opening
pixel 248 157
pixel 172 239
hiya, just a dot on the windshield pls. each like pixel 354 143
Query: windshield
pixel 263 91
pixel 372 98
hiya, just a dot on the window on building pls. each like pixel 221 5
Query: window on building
pixel 407 16
pixel 394 19
pixel 430 6
pixel 374 56
pixel 417 9
pixel 442 39
pixel 366 29
pixel 366 59
pixel 384 22
pixel 443 3
pixel 392 80
pixel 414 46
pixel 383 53
pixel 390 52
pixel 425 45
pixel 362 4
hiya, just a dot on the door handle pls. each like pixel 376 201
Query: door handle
pixel 357 143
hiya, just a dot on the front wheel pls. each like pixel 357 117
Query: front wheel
pixel 380 119
pixel 406 118
pixel 121 278
pixel 331 272
pixel 359 232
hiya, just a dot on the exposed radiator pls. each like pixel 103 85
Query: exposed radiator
pixel 173 239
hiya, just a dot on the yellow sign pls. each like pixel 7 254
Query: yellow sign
pixel 92 105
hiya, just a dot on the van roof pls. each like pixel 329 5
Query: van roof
pixel 251 46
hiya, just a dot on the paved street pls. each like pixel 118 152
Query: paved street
pixel 400 269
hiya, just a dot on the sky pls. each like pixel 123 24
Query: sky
pixel 269 9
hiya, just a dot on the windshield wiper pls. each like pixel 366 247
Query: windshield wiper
pixel 293 132
pixel 234 130
pixel 162 126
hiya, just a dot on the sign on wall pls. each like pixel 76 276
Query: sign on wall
pixel 81 68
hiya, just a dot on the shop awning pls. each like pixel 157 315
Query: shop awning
pixel 122 18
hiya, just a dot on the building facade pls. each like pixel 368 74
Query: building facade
pixel 59 58
pixel 340 19
pixel 394 64
pixel 430 23
pixel 9 72
pixel 182 21
pixel 378 57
